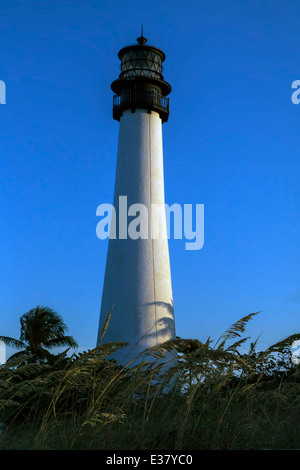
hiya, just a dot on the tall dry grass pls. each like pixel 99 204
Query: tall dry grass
pixel 213 397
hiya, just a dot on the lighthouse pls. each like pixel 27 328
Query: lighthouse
pixel 137 287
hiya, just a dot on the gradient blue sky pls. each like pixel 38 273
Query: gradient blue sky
pixel 231 143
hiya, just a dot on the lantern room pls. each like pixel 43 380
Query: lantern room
pixel 141 83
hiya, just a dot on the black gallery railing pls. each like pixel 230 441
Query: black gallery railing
pixel 143 99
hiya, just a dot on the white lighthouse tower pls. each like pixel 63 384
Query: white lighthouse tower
pixel 137 279
pixel 2 353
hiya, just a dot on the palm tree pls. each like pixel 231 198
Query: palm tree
pixel 41 329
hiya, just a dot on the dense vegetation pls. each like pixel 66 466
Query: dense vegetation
pixel 213 397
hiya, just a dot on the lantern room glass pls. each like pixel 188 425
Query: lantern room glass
pixel 139 62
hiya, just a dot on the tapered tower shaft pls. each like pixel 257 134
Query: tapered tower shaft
pixel 137 279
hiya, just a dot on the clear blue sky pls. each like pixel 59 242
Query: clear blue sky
pixel 231 143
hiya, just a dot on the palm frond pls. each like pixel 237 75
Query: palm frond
pixel 12 342
pixel 60 341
